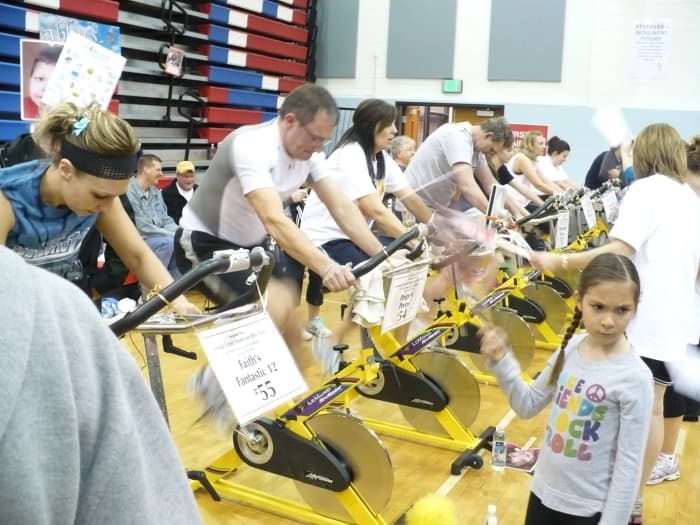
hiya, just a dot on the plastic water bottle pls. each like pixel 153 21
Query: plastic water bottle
pixel 498 449
pixel 490 518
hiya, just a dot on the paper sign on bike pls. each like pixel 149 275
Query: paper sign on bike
pixel 610 206
pixel 562 235
pixel 404 297
pixel 588 211
pixel 253 365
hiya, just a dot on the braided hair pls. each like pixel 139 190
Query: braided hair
pixel 570 331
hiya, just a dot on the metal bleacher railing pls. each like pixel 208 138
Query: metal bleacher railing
pixel 241 57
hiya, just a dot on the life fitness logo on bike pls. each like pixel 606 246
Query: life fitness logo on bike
pixel 253 365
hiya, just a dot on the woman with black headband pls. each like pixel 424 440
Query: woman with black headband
pixel 47 206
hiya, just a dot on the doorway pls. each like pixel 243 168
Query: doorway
pixel 420 120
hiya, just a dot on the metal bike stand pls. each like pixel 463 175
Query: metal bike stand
pixel 155 375
pixel 150 329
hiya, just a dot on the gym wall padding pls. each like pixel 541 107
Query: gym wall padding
pixel 421 39
pixel 336 41
pixel 526 40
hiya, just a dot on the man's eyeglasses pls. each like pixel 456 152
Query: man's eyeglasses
pixel 319 141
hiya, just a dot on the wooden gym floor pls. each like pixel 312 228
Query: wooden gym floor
pixel 418 469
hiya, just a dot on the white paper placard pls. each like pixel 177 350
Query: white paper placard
pixel 253 365
pixel 404 298
pixel 588 211
pixel 610 205
pixel 86 73
pixel 651 48
pixel 562 235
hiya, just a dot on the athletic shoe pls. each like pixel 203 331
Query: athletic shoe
pixel 636 516
pixel 665 470
pixel 314 328
pixel 326 357
pixel 206 388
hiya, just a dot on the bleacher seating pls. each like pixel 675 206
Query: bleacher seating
pixel 242 57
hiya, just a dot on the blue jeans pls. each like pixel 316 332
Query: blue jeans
pixel 163 248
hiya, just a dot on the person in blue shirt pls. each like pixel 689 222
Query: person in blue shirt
pixel 151 217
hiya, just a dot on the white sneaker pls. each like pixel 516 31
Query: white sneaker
pixel 322 350
pixel 206 388
pixel 664 470
pixel 314 328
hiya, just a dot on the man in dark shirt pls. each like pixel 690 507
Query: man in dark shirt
pixel 178 192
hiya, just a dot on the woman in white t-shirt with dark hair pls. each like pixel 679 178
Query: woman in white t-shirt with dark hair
pixel 363 171
pixel 550 166
pixel 657 228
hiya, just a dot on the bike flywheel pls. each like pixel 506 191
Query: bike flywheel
pixel 455 379
pixel 520 335
pixel 551 302
pixel 362 451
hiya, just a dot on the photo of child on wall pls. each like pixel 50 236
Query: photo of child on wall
pixel 37 63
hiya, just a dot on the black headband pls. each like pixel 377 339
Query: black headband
pixel 102 166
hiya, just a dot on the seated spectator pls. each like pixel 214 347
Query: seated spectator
pixel 178 192
pixel 402 150
pixel 154 224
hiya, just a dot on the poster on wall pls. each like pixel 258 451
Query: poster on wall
pixel 651 48
pixel 86 73
pixel 520 130
pixel 56 28
pixel 38 58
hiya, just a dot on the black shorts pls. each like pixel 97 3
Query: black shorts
pixel 193 247
pixel 538 514
pixel 659 371
pixel 342 251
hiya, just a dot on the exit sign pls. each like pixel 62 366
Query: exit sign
pixel 451 86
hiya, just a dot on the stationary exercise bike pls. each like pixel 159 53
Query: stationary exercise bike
pixel 339 466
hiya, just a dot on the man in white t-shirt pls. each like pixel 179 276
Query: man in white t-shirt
pixel 240 203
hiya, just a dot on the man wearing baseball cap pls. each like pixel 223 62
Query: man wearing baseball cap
pixel 179 192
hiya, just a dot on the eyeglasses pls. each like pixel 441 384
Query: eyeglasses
pixel 318 141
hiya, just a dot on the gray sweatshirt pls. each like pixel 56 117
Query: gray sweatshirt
pixel 593 447
pixel 81 437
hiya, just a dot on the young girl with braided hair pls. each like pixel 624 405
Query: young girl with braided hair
pixel 657 228
pixel 601 392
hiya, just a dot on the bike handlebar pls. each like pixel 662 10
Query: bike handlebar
pixel 607 185
pixel 222 262
pixel 548 203
pixel 419 231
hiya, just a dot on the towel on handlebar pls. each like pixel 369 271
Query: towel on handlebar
pixel 368 299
